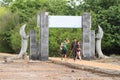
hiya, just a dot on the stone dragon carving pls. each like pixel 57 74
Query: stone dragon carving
pixel 99 37
pixel 24 45
pixel 24 42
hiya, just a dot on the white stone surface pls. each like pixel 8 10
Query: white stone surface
pixel 65 21
pixel 24 41
pixel 99 37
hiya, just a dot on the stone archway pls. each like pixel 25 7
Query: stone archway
pixel 41 51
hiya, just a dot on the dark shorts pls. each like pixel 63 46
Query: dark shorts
pixel 75 52
pixel 64 51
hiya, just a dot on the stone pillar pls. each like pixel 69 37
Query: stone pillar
pixel 33 46
pixel 44 37
pixel 86 36
pixel 92 44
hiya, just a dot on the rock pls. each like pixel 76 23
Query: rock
pixel 72 71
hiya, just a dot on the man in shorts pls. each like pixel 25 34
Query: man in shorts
pixel 63 48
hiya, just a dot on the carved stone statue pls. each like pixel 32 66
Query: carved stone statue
pixel 99 36
pixel 24 45
pixel 24 42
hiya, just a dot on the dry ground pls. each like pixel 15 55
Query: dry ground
pixel 38 70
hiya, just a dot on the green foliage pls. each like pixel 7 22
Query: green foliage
pixel 15 39
pixel 3 11
pixel 7 23
pixel 109 19
pixel 98 5
pixel 56 36
pixel 24 8
pixel 106 14
pixel 5 3
pixel 58 7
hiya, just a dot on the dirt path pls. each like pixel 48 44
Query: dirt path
pixel 46 71
pixel 38 70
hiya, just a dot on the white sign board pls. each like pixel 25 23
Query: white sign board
pixel 65 22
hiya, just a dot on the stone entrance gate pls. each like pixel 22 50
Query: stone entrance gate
pixel 40 51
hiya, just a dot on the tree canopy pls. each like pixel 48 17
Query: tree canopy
pixel 14 13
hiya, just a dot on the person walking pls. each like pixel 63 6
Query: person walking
pixel 74 48
pixel 63 48
pixel 78 50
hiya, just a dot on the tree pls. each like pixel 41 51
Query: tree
pixel 7 23
pixel 24 11
pixel 109 20
pixel 106 14
pixel 5 3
